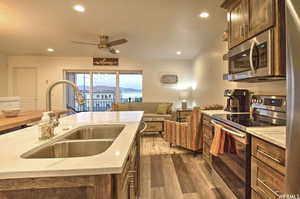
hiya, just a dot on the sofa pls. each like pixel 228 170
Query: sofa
pixel 149 108
pixel 153 119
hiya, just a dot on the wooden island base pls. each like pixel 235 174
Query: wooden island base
pixel 108 186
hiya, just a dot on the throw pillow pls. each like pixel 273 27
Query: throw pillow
pixel 162 109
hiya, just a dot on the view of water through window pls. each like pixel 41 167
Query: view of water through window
pixel 100 90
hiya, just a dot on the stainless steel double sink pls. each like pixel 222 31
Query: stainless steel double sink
pixel 85 141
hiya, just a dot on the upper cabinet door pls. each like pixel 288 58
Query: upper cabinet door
pixel 261 15
pixel 237 23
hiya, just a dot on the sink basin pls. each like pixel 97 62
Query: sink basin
pixel 110 131
pixel 71 148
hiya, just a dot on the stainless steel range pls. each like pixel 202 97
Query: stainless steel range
pixel 267 111
pixel 234 167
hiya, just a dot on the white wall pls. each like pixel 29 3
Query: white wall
pixel 51 69
pixel 208 78
pixel 208 73
pixel 3 76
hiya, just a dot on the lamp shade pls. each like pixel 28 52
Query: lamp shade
pixel 184 95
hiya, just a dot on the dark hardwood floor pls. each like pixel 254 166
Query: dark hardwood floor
pixel 173 173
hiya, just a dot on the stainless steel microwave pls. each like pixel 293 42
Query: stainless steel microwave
pixel 253 60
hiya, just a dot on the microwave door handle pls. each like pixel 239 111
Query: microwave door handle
pixel 251 56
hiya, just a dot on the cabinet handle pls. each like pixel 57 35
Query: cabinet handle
pixel 253 44
pixel 245 30
pixel 276 193
pixel 241 31
pixel 268 156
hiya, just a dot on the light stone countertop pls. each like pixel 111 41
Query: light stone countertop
pixel 274 135
pixel 213 112
pixel 14 144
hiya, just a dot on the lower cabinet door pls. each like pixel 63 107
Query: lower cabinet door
pixel 266 182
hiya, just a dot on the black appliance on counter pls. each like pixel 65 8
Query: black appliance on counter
pixel 235 168
pixel 238 100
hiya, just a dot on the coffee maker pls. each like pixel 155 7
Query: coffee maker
pixel 238 100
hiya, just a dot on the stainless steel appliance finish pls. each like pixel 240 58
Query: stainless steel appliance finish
pixel 71 149
pixel 253 60
pixel 111 131
pixel 233 166
pixel 267 110
pixel 293 69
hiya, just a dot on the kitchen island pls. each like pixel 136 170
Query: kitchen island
pixel 112 173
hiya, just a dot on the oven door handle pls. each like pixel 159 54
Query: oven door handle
pixel 241 135
pixel 254 42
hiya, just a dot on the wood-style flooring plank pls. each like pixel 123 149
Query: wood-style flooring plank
pixel 185 181
pixel 145 177
pixel 172 186
pixel 157 193
pixel 162 176
pixel 157 179
pixel 191 196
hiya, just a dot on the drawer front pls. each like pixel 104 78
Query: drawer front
pixel 267 182
pixel 208 133
pixel 270 154
pixel 154 126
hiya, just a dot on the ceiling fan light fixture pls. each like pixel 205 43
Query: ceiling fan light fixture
pixel 117 51
pixel 204 15
pixel 50 50
pixel 79 8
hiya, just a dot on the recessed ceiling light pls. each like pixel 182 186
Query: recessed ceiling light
pixel 178 53
pixel 117 51
pixel 79 8
pixel 203 15
pixel 50 50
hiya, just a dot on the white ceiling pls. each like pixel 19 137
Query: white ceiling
pixel 156 29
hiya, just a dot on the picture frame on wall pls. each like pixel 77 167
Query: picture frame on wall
pixel 101 61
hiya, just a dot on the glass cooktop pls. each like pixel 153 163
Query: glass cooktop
pixel 248 120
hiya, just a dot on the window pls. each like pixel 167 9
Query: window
pixel 131 87
pixel 101 89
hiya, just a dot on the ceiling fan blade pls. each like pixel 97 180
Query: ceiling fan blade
pixel 84 43
pixel 112 50
pixel 117 42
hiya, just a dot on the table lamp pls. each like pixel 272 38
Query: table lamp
pixel 184 96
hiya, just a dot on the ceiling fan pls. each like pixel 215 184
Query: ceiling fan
pixel 105 43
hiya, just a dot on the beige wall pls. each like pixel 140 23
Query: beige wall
pixel 209 85
pixel 208 73
pixel 51 68
pixel 3 76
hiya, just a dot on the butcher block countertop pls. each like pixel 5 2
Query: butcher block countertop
pixel 23 119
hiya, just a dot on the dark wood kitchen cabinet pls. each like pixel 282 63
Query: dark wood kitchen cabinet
pixel 237 21
pixel 267 170
pixel 261 16
pixel 247 18
pixel 208 134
